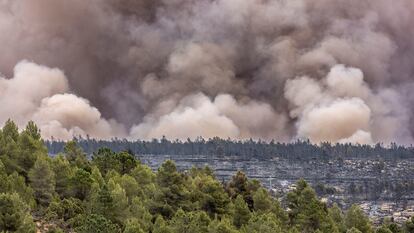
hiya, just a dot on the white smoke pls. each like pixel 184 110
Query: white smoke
pixel 342 108
pixel 194 116
pixel 336 121
pixel 41 94
pixel 197 115
pixel 21 95
pixel 339 108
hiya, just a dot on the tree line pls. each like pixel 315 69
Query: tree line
pixel 300 149
pixel 113 192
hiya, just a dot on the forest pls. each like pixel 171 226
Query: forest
pixel 302 149
pixel 113 192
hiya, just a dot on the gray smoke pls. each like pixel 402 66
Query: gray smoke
pixel 327 70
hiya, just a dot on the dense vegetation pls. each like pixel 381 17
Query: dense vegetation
pixel 114 192
pixel 247 148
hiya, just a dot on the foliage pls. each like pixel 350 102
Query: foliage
pixel 241 212
pixel 356 218
pixel 14 214
pixel 98 224
pixel 246 148
pixel 409 225
pixel 113 192
pixel 42 180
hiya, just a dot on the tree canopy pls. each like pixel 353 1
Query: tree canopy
pixel 114 192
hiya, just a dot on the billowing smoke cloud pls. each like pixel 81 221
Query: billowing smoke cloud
pixel 223 117
pixel 228 68
pixel 39 93
pixel 342 108
pixel 337 121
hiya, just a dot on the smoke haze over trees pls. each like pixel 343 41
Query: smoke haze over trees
pixel 323 70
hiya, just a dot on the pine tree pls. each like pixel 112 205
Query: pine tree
pixel 42 180
pixel 74 154
pixel 9 148
pixel 10 130
pixel 307 212
pixel 33 131
pixel 160 226
pixel 14 214
pixel 356 218
pixel 222 226
pixel 141 214
pixel 409 225
pixel 353 230
pixel 383 229
pixel 337 216
pixel 63 175
pixel 263 223
pixel 104 203
pixel 120 207
pixel 241 212
pixel 210 195
pixel 97 224
pixel 262 201
pixel 133 226
pixel 17 184
pixel 4 186
pixel 81 183
pixel 172 193
pixel 30 147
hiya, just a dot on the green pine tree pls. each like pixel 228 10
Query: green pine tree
pixel 241 212
pixel 42 180
pixel 15 214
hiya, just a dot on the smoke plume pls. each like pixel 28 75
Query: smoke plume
pixel 323 70
pixel 41 94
